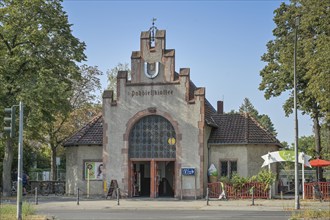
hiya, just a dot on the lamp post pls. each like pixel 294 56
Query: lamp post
pixel 296 168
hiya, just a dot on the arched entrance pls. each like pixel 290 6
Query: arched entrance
pixel 152 153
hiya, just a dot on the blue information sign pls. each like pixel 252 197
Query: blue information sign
pixel 188 171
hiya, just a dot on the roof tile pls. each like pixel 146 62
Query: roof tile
pixel 90 134
pixel 240 129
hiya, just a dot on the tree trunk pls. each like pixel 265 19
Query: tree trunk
pixel 317 129
pixel 53 167
pixel 7 165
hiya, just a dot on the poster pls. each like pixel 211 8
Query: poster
pixel 95 170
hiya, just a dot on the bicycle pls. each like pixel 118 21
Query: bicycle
pixel 45 189
pixel 14 187
pixel 59 189
pixel 318 192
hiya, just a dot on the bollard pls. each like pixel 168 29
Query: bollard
pixel 207 195
pixel 281 195
pixel 78 196
pixel 36 195
pixel 117 192
pixel 253 196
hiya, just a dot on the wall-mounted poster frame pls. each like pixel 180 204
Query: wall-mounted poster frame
pixel 95 168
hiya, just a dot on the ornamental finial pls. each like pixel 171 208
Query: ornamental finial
pixel 153 30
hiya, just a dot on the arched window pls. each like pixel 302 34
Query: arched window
pixel 152 137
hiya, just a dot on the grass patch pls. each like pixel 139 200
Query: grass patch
pixel 311 214
pixel 9 211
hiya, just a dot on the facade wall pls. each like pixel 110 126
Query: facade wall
pixel 248 157
pixel 183 116
pixel 207 152
pixel 230 152
pixel 254 158
pixel 75 158
pixel 162 96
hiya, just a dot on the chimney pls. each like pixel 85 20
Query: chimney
pixel 220 107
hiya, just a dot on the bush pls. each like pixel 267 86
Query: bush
pixel 266 177
pixel 238 181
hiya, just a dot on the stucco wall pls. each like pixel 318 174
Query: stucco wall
pixel 230 152
pixel 248 157
pixel 75 157
pixel 254 158
pixel 166 94
pixel 207 152
pixel 184 117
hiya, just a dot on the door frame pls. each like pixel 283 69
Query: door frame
pixel 153 174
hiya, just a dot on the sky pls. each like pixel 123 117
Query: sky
pixel 220 41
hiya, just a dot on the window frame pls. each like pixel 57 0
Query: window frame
pixel 229 169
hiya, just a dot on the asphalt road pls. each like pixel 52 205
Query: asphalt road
pixel 107 213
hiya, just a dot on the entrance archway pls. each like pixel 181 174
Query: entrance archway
pixel 152 153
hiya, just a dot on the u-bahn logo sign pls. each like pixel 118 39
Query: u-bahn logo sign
pixel 188 171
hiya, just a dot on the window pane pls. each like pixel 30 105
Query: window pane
pixel 149 138
pixel 224 168
pixel 233 167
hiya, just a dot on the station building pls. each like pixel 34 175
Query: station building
pixel 158 134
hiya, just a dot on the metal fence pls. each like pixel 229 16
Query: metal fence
pixel 245 192
pixel 45 175
pixel 317 190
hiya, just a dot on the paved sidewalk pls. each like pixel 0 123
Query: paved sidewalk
pixel 55 202
pixel 174 204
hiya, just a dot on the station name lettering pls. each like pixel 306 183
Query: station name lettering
pixel 152 92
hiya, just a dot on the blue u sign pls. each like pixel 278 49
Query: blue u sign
pixel 188 171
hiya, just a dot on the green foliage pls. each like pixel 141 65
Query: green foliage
pixel 306 144
pixel 313 56
pixel 312 63
pixel 39 59
pixel 266 177
pixel 263 120
pixel 238 181
pixel 310 214
pixel 112 76
pixel 214 173
pixel 224 179
pixel 325 141
pixel 9 211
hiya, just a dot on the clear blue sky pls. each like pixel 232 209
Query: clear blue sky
pixel 220 41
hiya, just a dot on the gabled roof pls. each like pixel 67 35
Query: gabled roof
pixel 227 129
pixel 209 111
pixel 239 129
pixel 90 134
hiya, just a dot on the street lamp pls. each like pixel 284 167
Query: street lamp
pixel 296 168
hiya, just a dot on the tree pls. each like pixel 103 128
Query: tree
pixel 306 145
pixel 112 76
pixel 325 137
pixel 84 105
pixel 264 120
pixel 313 60
pixel 38 56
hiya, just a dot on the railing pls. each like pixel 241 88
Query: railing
pixel 316 189
pixel 48 187
pixel 260 191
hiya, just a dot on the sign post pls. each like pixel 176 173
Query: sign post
pixel 58 163
pixel 89 167
pixel 189 171
pixel 20 163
